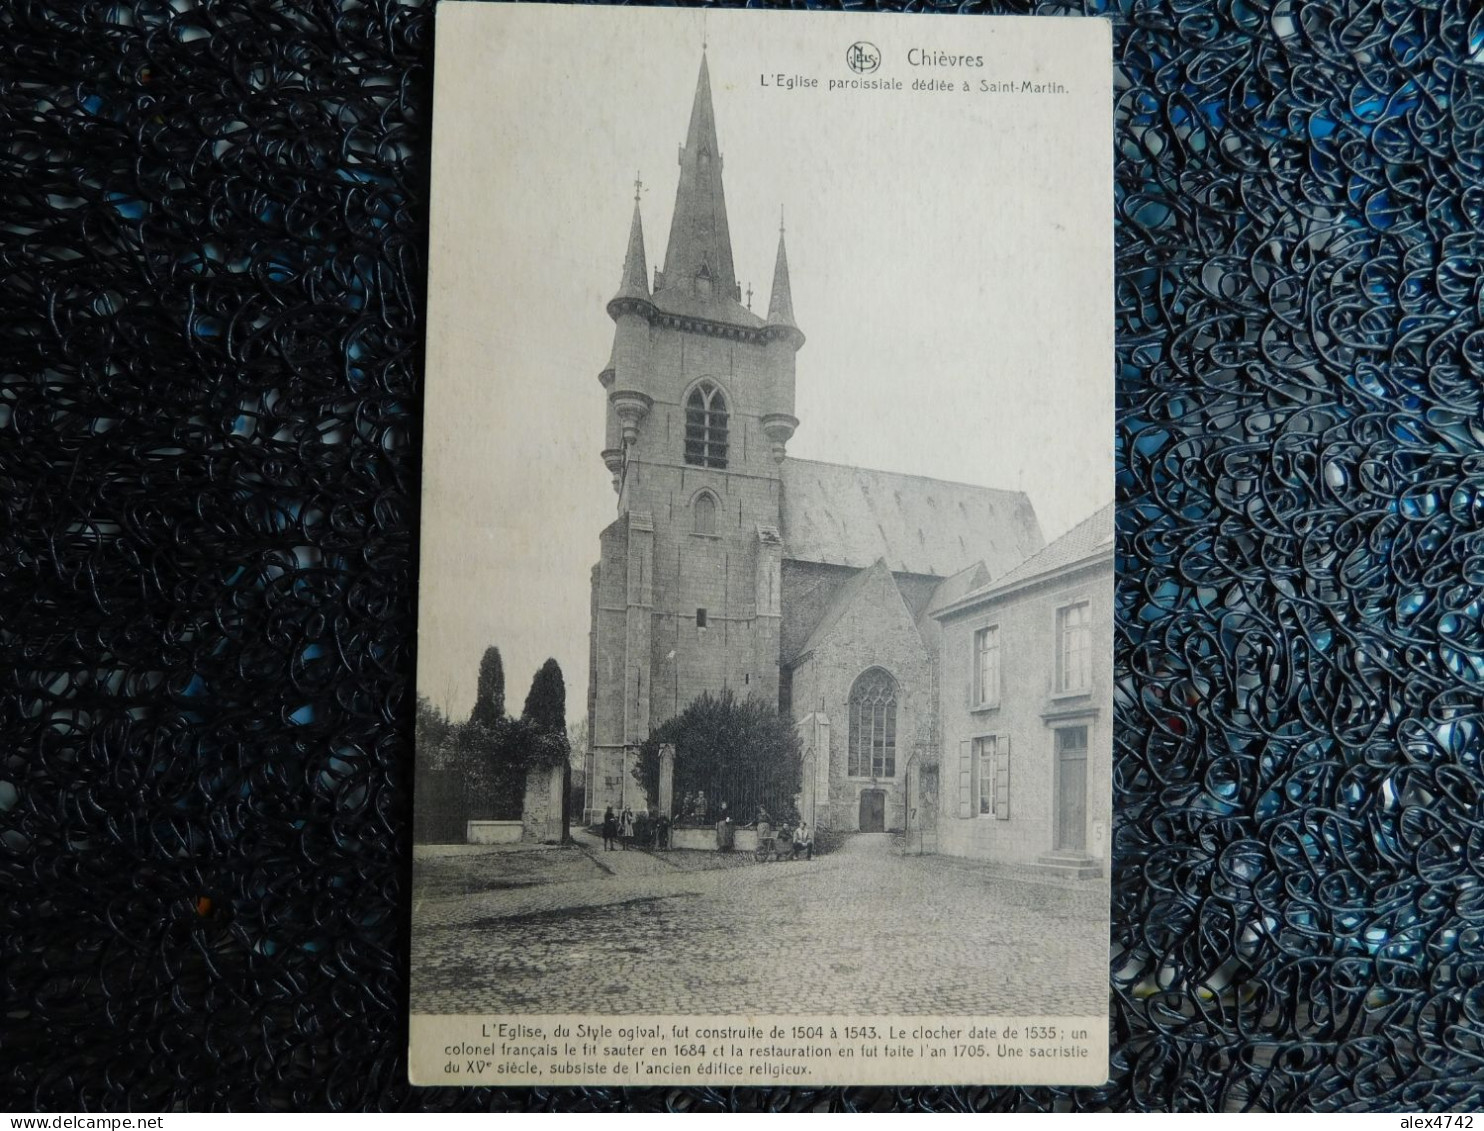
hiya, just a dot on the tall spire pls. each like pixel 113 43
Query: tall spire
pixel 781 305
pixel 635 283
pixel 699 255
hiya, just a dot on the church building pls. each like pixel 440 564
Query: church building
pixel 731 565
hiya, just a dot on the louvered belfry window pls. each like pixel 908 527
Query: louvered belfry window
pixel 706 427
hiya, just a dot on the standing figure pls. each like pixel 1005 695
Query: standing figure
pixel 610 829
pixel 626 828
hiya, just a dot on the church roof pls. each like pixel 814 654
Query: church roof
pixel 1092 537
pixel 852 516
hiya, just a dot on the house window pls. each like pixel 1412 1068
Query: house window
pixel 704 509
pixel 1073 648
pixel 873 726
pixel 984 777
pixel 706 427
pixel 985 759
pixel 987 666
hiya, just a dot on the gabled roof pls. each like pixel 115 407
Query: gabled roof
pixel 1091 538
pixel 843 599
pixel 851 516
pixel 848 595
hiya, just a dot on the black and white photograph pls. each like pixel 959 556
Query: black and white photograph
pixel 764 720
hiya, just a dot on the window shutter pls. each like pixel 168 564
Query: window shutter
pixel 965 780
pixel 1002 781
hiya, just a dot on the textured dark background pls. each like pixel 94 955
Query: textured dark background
pixel 212 250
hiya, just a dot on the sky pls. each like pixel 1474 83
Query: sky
pixel 950 255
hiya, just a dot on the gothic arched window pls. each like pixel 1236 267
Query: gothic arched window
pixel 873 725
pixel 706 427
pixel 704 510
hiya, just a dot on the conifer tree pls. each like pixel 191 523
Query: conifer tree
pixel 489 698
pixel 546 704
pixel 539 737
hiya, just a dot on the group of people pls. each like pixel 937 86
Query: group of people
pixel 623 829
pixel 802 839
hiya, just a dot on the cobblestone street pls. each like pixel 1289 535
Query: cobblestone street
pixel 862 930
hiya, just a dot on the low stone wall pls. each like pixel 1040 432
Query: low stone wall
pixel 493 832
pixel 704 840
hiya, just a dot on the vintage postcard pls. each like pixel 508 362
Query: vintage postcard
pixel 765 631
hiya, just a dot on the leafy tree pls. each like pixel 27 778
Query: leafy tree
pixel 440 800
pixel 489 696
pixel 743 753
pixel 496 779
pixel 432 732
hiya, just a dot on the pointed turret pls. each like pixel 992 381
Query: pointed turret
pixel 698 258
pixel 627 374
pixel 781 305
pixel 635 284
pixel 784 339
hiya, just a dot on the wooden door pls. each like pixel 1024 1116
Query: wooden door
pixel 1071 789
pixel 873 811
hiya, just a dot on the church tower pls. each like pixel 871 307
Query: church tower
pixel 686 595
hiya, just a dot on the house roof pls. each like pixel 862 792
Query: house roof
pixel 851 516
pixel 1090 538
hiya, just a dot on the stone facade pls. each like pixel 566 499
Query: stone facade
pixel 1028 748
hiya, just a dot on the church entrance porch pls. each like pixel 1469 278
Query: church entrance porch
pixel 873 811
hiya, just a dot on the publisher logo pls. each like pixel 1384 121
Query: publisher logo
pixel 862 57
